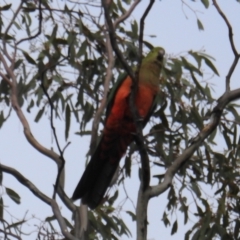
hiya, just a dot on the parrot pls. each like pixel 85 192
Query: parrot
pixel 119 129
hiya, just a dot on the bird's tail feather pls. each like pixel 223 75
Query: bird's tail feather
pixel 96 194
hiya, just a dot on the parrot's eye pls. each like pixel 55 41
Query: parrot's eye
pixel 161 54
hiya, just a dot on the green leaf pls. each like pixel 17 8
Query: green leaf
pixel 132 215
pixel 28 58
pixel 61 41
pixel 6 36
pixel 13 195
pixel 1 208
pixel 2 119
pixel 17 63
pixel 190 66
pixel 6 7
pixel 135 29
pixel 196 56
pixel 165 219
pixel 236 229
pixel 174 228
pixel 30 106
pixel 205 3
pixel 54 33
pixel 195 188
pixel 210 65
pixel 39 114
pixel 1 177
pixel 200 25
pixel 67 121
pixel 112 199
pixel 14 225
pixel 187 235
pixel 82 49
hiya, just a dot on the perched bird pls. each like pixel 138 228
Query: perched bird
pixel 119 129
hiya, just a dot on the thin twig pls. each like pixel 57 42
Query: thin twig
pixel 230 36
pixel 142 23
pixel 140 139
pixel 39 25
pixel 55 137
pixel 10 234
pixel 142 200
pixel 126 14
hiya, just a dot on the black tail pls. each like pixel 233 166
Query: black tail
pixel 99 173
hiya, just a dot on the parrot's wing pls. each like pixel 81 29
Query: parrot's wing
pixel 113 91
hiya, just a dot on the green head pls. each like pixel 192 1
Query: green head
pixel 151 66
pixel 155 56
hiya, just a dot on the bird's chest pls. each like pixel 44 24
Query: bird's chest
pixel 120 118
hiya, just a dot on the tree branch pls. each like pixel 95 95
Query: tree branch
pixel 39 25
pixel 27 183
pixel 140 139
pixel 112 36
pixel 103 104
pixel 142 23
pixel 126 14
pixel 226 98
pixel 142 200
pixel 61 221
pixel 235 52
pixel 61 158
pixel 10 234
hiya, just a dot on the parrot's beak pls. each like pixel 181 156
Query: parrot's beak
pixel 161 54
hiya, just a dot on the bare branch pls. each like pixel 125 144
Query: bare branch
pixel 235 52
pixel 142 202
pixel 61 221
pixel 226 98
pixel 126 14
pixel 66 200
pixel 27 130
pixel 140 139
pixel 142 23
pixel 103 104
pixel 27 183
pixel 10 234
pixel 141 214
pixel 79 213
pixel 112 36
